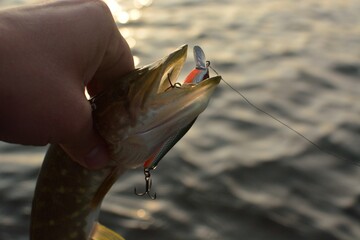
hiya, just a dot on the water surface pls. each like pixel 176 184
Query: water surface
pixel 238 174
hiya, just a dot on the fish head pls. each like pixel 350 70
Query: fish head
pixel 143 109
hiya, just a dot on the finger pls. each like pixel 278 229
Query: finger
pixel 91 153
pixel 79 138
pixel 117 62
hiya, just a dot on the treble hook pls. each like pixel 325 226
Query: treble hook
pixel 148 183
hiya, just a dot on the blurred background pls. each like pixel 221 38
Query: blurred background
pixel 237 174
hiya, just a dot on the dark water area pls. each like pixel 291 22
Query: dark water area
pixel 238 174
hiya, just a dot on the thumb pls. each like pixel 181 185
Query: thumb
pixel 91 153
pixel 84 144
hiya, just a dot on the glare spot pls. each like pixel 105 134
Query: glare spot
pixel 114 6
pixel 142 3
pixel 141 213
pixel 135 14
pixel 117 11
pixel 125 32
pixel 136 61
pixel 8 221
pixel 124 14
pixel 87 95
pixel 153 206
pixel 131 41
pixel 122 17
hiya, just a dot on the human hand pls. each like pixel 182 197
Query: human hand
pixel 48 54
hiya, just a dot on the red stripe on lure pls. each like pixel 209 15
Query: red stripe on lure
pixel 201 71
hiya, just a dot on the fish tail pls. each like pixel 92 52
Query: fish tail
pixel 101 232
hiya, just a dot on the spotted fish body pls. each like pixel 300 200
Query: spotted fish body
pixel 64 206
pixel 135 116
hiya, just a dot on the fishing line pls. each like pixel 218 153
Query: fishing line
pixel 281 122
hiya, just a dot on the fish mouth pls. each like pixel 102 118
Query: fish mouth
pixel 167 106
pixel 160 76
pixel 143 109
pixel 169 69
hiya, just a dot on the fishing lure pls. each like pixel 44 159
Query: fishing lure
pixel 198 74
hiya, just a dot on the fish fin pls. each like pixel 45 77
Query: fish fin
pixel 101 232
pixel 105 187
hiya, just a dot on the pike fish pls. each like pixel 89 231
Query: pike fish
pixel 136 116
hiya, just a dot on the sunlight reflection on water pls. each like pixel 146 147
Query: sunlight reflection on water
pixel 237 169
pixel 124 13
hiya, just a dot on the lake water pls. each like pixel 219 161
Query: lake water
pixel 237 174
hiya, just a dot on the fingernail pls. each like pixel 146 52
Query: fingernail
pixel 97 157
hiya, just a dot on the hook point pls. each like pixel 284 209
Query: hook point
pixel 148 182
